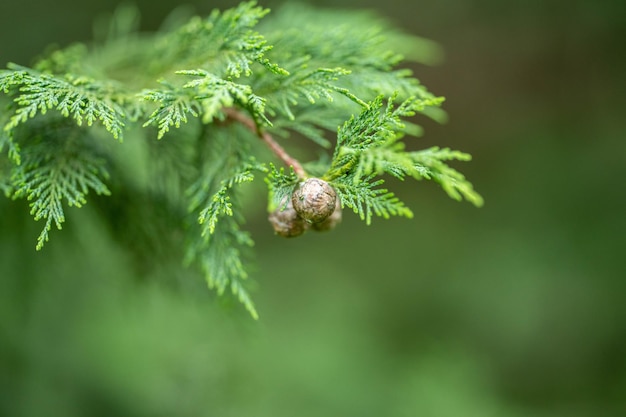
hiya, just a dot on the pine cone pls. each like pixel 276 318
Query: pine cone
pixel 314 200
pixel 331 222
pixel 286 222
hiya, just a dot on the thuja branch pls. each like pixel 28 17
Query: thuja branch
pixel 344 54
pixel 278 150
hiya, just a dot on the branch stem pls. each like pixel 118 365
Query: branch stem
pixel 278 150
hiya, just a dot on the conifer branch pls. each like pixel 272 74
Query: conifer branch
pixel 80 98
pixel 278 150
pixel 56 172
pixel 311 71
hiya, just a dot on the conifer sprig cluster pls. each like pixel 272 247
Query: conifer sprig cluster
pixel 198 104
pixel 53 171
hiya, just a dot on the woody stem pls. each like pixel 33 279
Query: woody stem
pixel 278 150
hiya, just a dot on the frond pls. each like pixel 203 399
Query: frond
pixel 214 93
pixel 220 203
pixel 366 200
pixel 307 85
pixel 174 105
pixel 331 38
pixel 371 127
pixel 226 151
pixel 220 257
pixel 224 43
pixel 204 96
pixel 81 99
pixel 6 140
pixel 356 41
pixel 430 163
pixel 389 159
pixel 280 185
pixel 216 240
pixel 369 145
pixel 377 125
pixel 50 176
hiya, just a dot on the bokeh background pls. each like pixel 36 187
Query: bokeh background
pixel 514 309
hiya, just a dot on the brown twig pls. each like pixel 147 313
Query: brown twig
pixel 278 150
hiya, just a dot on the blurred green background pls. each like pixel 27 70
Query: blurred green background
pixel 514 309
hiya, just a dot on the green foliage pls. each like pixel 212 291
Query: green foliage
pixel 214 93
pixel 310 86
pixel 173 108
pixel 364 199
pixel 53 172
pixel 217 243
pixel 220 203
pixel 80 98
pixel 220 258
pixel 430 163
pixel 227 36
pixel 281 186
pixel 205 96
pixel 369 145
pixel 365 49
pixel 216 90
